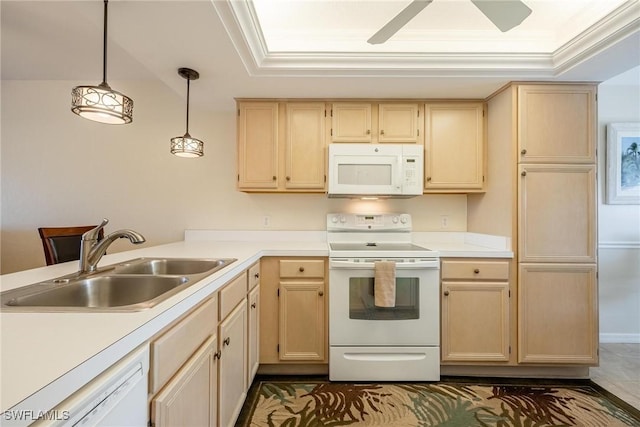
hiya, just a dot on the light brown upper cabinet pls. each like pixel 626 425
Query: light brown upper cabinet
pixel 351 122
pixel 384 122
pixel 281 146
pixel 305 146
pixel 454 147
pixel 556 124
pixel 398 123
pixel 258 145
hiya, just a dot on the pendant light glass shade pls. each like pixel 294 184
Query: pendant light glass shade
pixel 101 103
pixel 186 145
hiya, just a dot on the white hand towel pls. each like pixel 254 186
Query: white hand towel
pixel 385 284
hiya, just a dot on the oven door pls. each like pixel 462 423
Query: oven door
pixel 356 321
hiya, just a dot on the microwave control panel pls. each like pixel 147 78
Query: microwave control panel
pixel 412 174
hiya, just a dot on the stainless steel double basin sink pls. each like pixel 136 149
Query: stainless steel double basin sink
pixel 133 285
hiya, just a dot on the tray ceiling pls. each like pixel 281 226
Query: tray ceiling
pixel 448 37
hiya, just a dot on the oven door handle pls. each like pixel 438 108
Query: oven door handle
pixel 399 266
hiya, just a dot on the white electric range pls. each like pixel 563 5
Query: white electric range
pixel 381 343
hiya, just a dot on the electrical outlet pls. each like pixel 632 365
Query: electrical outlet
pixel 266 221
pixel 444 221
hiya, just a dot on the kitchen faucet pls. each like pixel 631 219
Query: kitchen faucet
pixel 91 251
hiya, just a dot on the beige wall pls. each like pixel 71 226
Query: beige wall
pixel 59 169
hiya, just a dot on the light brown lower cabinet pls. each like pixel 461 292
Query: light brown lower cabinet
pixel 475 325
pixel 254 334
pixel 558 315
pixel 302 314
pixel 293 317
pixel 203 364
pixel 475 320
pixel 190 398
pixel 232 365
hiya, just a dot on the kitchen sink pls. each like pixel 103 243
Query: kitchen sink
pixel 133 285
pixel 102 292
pixel 172 266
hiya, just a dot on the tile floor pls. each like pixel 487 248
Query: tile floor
pixel 619 371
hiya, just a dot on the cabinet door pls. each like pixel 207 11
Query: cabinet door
pixel 557 314
pixel 305 146
pixel 302 313
pixel 233 365
pixel 258 145
pixel 350 122
pixel 556 123
pixel 254 334
pixel 189 399
pixel 475 321
pixel 557 218
pixel 454 146
pixel 398 123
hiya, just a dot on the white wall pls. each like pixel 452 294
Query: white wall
pixel 59 169
pixel 618 225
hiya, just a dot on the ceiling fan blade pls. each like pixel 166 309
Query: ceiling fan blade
pixel 505 14
pixel 399 21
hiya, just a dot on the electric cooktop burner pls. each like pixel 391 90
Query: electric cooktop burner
pixel 373 236
pixel 373 246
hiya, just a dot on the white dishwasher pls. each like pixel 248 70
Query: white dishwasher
pixel 115 398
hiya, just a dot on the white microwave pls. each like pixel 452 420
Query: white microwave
pixel 386 170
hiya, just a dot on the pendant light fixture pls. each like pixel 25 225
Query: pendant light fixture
pixel 186 145
pixel 101 103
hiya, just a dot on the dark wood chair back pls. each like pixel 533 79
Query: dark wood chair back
pixel 62 244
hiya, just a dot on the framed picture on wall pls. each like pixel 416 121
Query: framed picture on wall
pixel 623 163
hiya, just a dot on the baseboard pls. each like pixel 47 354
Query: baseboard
pixel 620 338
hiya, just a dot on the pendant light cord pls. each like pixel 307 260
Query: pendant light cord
pixel 188 81
pixel 104 48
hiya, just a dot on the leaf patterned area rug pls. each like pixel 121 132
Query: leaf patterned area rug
pixel 450 404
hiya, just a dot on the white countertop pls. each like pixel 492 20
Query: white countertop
pixel 47 356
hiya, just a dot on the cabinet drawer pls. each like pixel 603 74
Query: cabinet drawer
pixel 173 348
pixel 254 275
pixel 492 270
pixel 302 268
pixel 232 294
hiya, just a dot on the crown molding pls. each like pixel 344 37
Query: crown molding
pixel 621 23
pixel 241 23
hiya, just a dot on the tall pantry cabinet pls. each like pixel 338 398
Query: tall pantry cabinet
pixel 557 299
pixel 542 187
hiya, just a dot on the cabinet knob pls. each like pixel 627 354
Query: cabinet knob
pixel 523 173
pixel 368 131
pixel 446 293
pixel 381 131
pixel 257 275
pixel 217 355
pixel 288 178
pixel 227 341
pixel 274 178
pixel 301 269
pixel 321 293
pixel 477 270
pixel 428 178
pixel 253 305
pixel 523 151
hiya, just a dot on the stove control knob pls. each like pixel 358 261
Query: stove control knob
pixel 395 219
pixel 334 219
pixel 404 219
pixel 343 219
